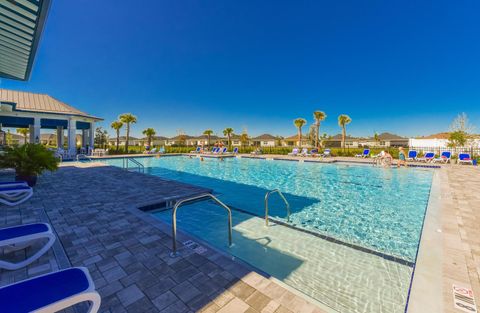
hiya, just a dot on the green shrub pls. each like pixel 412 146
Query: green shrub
pixel 29 159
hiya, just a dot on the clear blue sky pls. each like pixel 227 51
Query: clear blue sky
pixel 407 67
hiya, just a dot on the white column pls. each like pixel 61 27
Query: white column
pixel 60 137
pixel 91 135
pixel 84 138
pixel 34 131
pixel 72 140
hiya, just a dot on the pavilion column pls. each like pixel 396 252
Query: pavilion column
pixel 72 140
pixel 84 138
pixel 60 137
pixel 91 135
pixel 34 131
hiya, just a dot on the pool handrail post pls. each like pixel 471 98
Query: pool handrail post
pixel 267 195
pixel 174 252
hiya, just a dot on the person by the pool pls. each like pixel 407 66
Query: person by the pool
pixel 402 158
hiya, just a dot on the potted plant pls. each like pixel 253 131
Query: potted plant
pixel 29 161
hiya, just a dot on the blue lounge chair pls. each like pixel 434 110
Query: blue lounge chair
pixel 15 194
pixel 52 292
pixel 444 157
pixel 326 153
pixel 464 158
pixel 222 150
pixel 412 155
pixel 304 152
pixel 196 150
pixel 429 156
pixel 235 150
pixel 22 236
pixel 215 150
pixel 365 154
pixel 294 152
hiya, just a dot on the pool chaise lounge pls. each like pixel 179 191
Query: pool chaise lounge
pixel 22 236
pixel 464 158
pixel 444 157
pixel 52 292
pixel 15 194
pixel 429 156
pixel 196 150
pixel 326 153
pixel 304 152
pixel 13 183
pixel 365 154
pixel 412 155
pixel 294 152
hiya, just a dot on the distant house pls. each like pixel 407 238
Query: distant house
pixel 336 141
pixel 180 140
pixel 384 140
pixel 292 141
pixel 132 141
pixel 157 140
pixel 264 140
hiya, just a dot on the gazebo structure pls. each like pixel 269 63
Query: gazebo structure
pixel 40 111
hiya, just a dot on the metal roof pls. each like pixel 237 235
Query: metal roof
pixel 36 102
pixel 21 26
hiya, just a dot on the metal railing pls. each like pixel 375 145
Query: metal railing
pixel 139 166
pixel 267 195
pixel 174 252
pixel 83 157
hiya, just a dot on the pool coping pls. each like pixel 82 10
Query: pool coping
pixel 426 292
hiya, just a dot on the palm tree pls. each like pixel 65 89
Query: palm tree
pixel 24 132
pixel 343 120
pixel 228 132
pixel 117 125
pixel 376 138
pixel 149 132
pixel 318 116
pixel 208 132
pixel 299 123
pixel 244 139
pixel 127 119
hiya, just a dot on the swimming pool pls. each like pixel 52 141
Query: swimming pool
pixel 371 217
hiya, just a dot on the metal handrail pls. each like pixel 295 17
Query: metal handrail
pixel 174 252
pixel 84 156
pixel 267 195
pixel 140 166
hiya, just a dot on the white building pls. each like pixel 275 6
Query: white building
pixel 35 111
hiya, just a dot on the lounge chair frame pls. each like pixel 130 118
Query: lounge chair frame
pixel 13 197
pixel 21 242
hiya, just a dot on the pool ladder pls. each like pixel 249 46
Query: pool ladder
pixel 174 252
pixel 139 166
pixel 83 157
pixel 267 195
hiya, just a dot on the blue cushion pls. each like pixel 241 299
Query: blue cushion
pixel 430 155
pixel 13 188
pixel 412 154
pixel 39 292
pixel 11 182
pixel 22 230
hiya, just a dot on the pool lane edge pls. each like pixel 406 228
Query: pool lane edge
pixel 426 292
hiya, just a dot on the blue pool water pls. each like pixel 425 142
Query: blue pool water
pixel 376 208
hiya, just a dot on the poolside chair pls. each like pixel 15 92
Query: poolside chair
pixel 444 157
pixel 153 151
pixel 13 183
pixel 429 156
pixel 464 158
pixel 294 152
pixel 412 155
pixel 326 153
pixel 365 154
pixel 304 152
pixel 51 292
pixel 222 150
pixel 22 236
pixel 235 150
pixel 215 150
pixel 196 150
pixel 15 194
pixel 314 152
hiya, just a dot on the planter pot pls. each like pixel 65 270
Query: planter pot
pixel 31 180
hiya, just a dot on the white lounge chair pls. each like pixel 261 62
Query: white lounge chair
pixel 444 157
pixel 326 153
pixel 222 150
pixel 15 194
pixel 22 236
pixel 428 157
pixel 304 152
pixel 13 183
pixel 52 292
pixel 196 150
pixel 464 158
pixel 294 152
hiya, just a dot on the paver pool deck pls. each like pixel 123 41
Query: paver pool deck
pixel 93 210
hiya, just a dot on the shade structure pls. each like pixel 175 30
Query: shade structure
pixel 21 26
